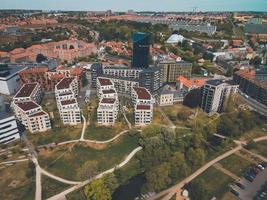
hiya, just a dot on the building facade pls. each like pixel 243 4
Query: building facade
pixel 141 46
pixel 214 94
pixel 29 92
pixel 173 69
pixel 151 78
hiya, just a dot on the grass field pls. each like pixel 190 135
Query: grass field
pixel 254 133
pixel 261 148
pixel 158 118
pixel 235 164
pixel 215 182
pixel 14 184
pixel 68 164
pixel 95 132
pixel 51 187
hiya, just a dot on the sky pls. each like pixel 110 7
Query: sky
pixel 137 5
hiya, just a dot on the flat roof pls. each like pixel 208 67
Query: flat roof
pixel 111 91
pixel 26 90
pixel 64 83
pixel 28 105
pixel 10 71
pixel 142 93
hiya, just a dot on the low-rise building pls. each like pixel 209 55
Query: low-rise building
pixel 29 92
pixel 166 98
pixel 185 85
pixel 214 94
pixel 122 71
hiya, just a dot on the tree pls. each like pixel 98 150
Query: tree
pixel 88 170
pixel 193 98
pixel 196 157
pixel 179 167
pixel 158 177
pixel 40 58
pixel 97 190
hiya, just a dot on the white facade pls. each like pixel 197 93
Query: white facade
pixel 107 111
pixel 124 72
pixel 66 91
pixel 214 94
pixel 32 116
pixel 8 130
pixel 143 115
pixel 166 99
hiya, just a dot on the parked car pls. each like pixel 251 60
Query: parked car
pixel 240 185
pixel 235 192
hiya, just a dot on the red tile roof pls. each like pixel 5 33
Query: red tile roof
pixel 143 107
pixel 193 82
pixel 65 83
pixel 108 100
pixel 104 81
pixel 29 105
pixel 26 90
pixel 35 70
pixel 142 93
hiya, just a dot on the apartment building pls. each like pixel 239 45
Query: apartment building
pixel 104 84
pixel 185 85
pixel 66 91
pixel 8 126
pixel 29 92
pixel 214 94
pixel 107 111
pixel 166 98
pixel 122 71
pixel 31 115
pixel 121 84
pixel 143 106
pixel 172 69
pixel 151 78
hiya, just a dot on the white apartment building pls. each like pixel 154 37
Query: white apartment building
pixel 143 114
pixel 66 91
pixel 29 92
pixel 105 88
pixel 123 71
pixel 143 106
pixel 69 110
pixel 214 94
pixel 107 111
pixel 31 115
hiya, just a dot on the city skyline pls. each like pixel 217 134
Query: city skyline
pixel 145 5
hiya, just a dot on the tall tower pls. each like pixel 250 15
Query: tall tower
pixel 141 45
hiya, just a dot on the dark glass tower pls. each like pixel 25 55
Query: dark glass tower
pixel 141 50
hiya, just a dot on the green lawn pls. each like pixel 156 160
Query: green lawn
pixel 235 164
pixel 215 182
pixel 261 148
pixel 60 134
pixel 70 164
pixel 95 132
pixel 23 188
pixel 51 187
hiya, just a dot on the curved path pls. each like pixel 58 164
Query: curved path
pixel 170 192
pixel 81 184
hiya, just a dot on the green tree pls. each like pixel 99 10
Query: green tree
pixel 40 58
pixel 97 190
pixel 196 157
pixel 179 168
pixel 197 191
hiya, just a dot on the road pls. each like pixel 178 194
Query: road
pixel 255 105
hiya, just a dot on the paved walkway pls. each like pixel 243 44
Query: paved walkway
pixel 14 161
pixel 255 155
pixel 225 171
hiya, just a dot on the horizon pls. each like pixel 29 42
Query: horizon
pixel 144 6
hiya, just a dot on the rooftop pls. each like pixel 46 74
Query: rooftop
pixel 29 105
pixel 104 81
pixel 142 93
pixel 108 100
pixel 64 83
pixel 9 71
pixel 191 82
pixel 26 90
pixel 143 107
pixel 68 102
pixel 41 113
pixel 111 91
pixel 35 70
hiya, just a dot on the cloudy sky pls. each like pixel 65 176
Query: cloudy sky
pixel 138 5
